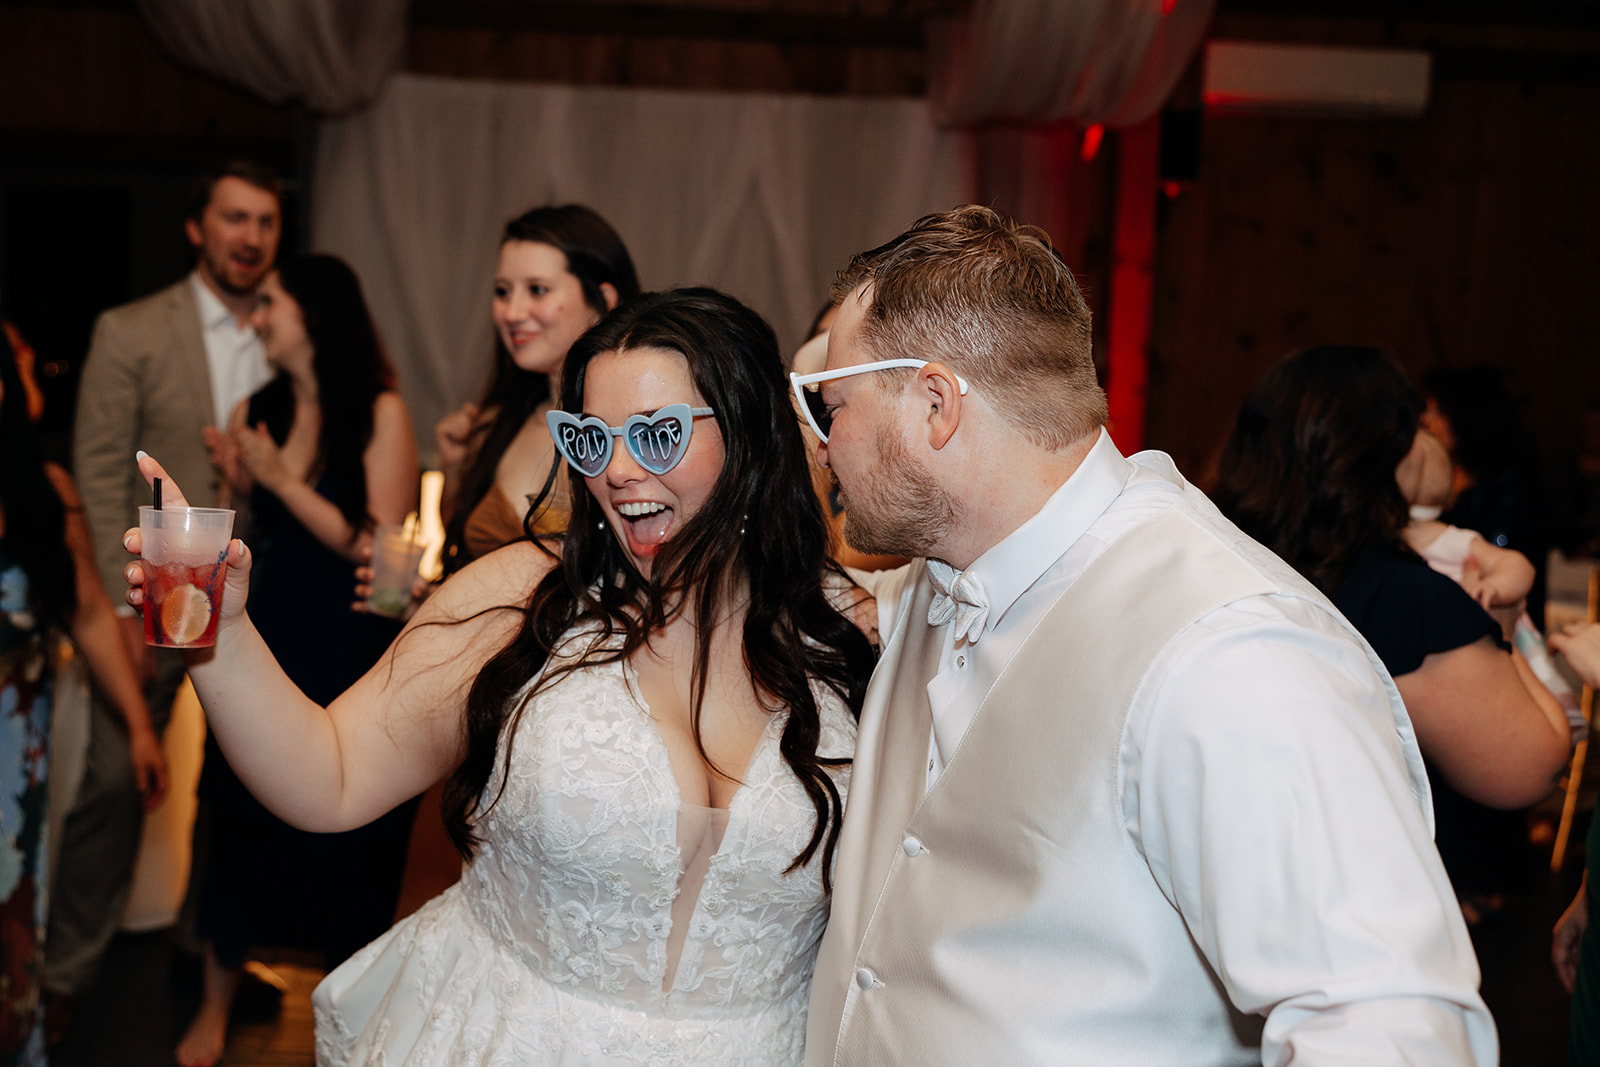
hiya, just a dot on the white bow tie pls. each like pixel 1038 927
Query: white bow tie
pixel 957 596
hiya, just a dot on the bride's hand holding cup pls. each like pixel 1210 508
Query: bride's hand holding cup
pixel 191 579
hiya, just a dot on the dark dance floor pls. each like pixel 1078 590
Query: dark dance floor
pixel 135 1015
pixel 147 993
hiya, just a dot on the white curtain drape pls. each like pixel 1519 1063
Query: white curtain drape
pixel 1042 61
pixel 331 55
pixel 764 196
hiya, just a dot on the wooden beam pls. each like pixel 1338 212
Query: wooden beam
pixel 677 21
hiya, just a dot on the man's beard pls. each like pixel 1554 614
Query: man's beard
pixel 902 511
pixel 224 274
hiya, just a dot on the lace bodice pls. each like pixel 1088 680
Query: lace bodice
pixel 585 871
pixel 582 857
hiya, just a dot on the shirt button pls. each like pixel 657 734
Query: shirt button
pixel 865 979
pixel 912 845
pixel 961 661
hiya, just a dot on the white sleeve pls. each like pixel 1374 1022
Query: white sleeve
pixel 1266 785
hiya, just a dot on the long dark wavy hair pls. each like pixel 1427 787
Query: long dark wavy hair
pixel 596 256
pixel 35 517
pixel 350 368
pixel 1310 469
pixel 792 634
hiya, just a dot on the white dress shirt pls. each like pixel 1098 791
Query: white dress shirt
pixel 234 354
pixel 1258 785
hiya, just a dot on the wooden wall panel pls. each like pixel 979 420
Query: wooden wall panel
pixel 96 72
pixel 1466 237
pixel 668 62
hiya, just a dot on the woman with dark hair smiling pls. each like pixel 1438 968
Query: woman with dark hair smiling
pixel 1310 472
pixel 561 269
pixel 646 724
pixel 321 454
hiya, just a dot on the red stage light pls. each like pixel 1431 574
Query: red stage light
pixel 1091 141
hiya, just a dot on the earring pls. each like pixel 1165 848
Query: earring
pixel 601 525
pixel 742 520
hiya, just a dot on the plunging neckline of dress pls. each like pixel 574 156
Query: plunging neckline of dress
pixel 630 678
pixel 699 830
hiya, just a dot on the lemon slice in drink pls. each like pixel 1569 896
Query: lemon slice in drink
pixel 184 614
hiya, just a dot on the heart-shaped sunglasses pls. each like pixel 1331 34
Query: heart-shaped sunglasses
pixel 657 441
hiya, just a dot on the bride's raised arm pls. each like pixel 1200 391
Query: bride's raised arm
pixel 392 734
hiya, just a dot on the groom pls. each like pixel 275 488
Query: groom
pixel 1128 790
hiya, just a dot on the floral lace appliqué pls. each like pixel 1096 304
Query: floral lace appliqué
pixel 554 945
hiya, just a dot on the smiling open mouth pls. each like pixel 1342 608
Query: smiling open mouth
pixel 647 524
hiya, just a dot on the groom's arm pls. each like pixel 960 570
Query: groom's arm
pixel 1267 785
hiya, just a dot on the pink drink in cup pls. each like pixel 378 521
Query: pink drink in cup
pixel 185 559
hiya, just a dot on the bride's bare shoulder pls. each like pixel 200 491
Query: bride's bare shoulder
pixel 505 578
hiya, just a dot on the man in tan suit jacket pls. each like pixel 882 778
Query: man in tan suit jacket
pixel 158 372
pixel 1127 789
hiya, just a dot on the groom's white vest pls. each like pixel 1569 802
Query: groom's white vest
pixel 1004 916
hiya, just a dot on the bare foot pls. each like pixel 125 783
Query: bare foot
pixel 202 1044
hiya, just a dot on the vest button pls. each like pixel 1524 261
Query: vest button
pixel 865 979
pixel 913 846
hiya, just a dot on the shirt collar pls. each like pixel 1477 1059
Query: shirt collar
pixel 213 312
pixel 1009 568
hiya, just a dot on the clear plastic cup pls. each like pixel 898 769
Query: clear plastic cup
pixel 185 558
pixel 395 556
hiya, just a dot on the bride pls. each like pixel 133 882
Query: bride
pixel 647 736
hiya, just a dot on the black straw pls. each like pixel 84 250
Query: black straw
pixel 158 494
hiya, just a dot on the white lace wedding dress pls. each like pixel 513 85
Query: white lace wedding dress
pixel 602 923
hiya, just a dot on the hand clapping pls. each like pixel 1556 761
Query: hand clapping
pixel 259 456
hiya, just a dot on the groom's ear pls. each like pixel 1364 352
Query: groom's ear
pixel 942 394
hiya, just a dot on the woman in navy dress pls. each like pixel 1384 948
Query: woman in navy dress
pixel 322 453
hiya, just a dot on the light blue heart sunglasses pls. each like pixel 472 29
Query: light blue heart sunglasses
pixel 657 441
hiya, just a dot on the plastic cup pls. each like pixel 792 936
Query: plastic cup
pixel 394 568
pixel 185 558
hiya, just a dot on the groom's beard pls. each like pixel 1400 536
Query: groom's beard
pixel 899 510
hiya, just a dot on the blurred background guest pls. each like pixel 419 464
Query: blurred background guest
pixel 1496 492
pixel 1497 488
pixel 1575 949
pixel 47 581
pixel 560 270
pixel 1310 471
pixel 159 371
pixel 322 453
pixel 1497 578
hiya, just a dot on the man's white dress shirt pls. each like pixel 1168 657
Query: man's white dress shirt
pixel 1277 836
pixel 234 354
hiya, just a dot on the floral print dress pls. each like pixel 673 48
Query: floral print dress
pixel 24 731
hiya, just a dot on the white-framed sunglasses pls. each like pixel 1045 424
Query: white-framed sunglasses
pixel 658 441
pixel 808 389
